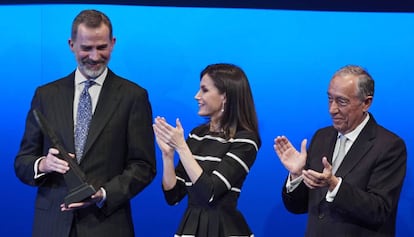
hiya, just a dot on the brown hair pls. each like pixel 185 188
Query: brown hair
pixel 92 19
pixel 239 110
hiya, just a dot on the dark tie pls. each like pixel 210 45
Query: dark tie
pixel 83 119
pixel 341 154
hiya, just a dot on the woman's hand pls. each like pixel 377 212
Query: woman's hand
pixel 168 135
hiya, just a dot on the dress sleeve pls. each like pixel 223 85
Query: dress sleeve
pixel 232 170
pixel 176 194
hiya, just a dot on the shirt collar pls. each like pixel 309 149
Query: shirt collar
pixel 79 78
pixel 352 136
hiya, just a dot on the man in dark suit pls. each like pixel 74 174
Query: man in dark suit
pixel 350 188
pixel 118 158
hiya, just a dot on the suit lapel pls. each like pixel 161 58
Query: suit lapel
pixel 108 101
pixel 329 144
pixel 331 147
pixel 359 148
pixel 64 111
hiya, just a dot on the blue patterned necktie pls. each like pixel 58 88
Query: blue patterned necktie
pixel 83 119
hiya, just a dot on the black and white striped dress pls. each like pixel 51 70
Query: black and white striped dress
pixel 212 200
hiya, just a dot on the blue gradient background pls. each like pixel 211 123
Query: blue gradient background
pixel 289 57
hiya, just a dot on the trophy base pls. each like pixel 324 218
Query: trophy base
pixel 80 193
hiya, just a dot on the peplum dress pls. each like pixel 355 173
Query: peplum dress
pixel 212 199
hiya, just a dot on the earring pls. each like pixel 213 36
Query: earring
pixel 222 107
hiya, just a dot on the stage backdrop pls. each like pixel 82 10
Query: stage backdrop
pixel 289 57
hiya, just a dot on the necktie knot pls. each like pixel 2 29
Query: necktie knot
pixel 88 84
pixel 342 141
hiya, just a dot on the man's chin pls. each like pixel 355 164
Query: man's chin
pixel 93 73
pixel 337 126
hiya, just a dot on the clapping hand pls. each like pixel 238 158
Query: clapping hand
pixel 293 160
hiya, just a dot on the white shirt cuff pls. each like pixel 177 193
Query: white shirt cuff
pixel 330 195
pixel 291 185
pixel 37 173
pixel 102 202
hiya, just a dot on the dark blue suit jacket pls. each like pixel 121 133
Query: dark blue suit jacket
pixel 119 156
pixel 372 175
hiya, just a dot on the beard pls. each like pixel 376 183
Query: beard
pixel 92 69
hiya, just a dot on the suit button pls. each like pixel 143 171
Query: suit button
pixel 321 215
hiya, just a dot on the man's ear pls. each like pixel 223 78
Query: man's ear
pixel 70 42
pixel 367 103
